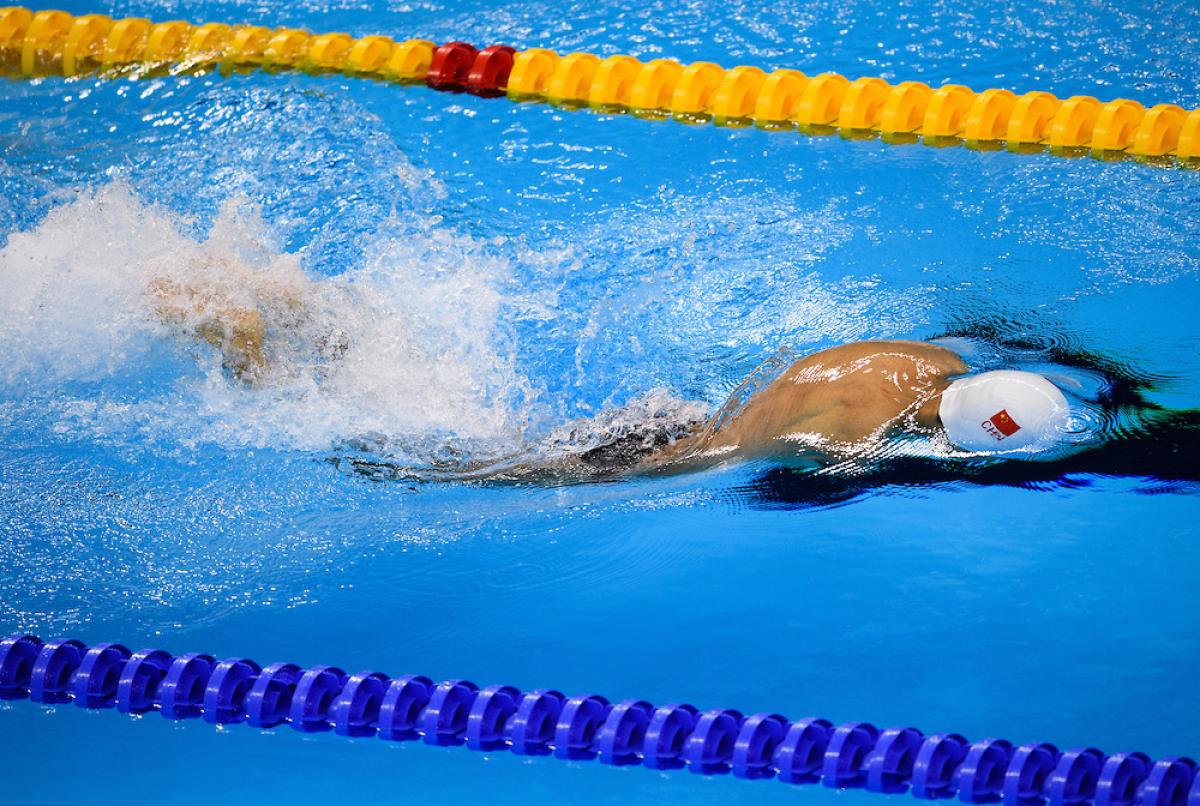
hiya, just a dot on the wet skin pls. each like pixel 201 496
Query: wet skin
pixel 842 395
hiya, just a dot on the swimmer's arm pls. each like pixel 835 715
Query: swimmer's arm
pixel 238 332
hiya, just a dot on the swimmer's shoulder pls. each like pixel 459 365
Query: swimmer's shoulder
pixel 941 359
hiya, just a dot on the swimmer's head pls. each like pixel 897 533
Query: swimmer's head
pixel 1003 412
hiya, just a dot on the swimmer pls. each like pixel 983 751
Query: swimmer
pixel 834 401
pixel 825 405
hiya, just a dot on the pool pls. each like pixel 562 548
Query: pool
pixel 517 268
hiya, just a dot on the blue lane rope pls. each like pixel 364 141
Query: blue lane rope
pixel 545 722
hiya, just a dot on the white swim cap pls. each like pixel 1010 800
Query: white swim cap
pixel 1003 411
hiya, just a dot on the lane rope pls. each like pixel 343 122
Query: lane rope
pixel 544 722
pixel 40 43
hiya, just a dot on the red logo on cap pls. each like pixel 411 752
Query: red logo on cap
pixel 1001 425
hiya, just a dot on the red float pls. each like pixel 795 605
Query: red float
pixel 451 63
pixel 489 73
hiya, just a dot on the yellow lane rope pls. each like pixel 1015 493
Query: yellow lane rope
pixel 40 43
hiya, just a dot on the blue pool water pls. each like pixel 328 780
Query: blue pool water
pixel 503 271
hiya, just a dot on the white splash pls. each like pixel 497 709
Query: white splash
pixel 421 350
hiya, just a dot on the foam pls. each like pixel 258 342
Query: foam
pixel 427 357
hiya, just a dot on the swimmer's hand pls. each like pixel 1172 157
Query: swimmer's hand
pixel 238 332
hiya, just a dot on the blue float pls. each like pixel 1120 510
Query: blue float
pixel 630 732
